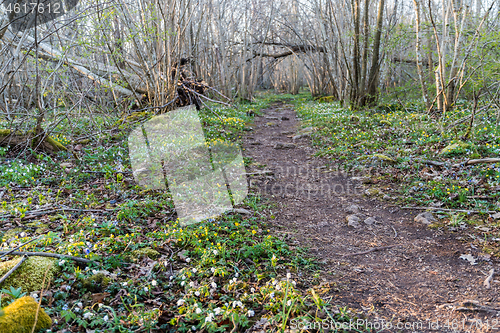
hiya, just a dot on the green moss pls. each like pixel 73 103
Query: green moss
pixel 455 148
pixel 145 252
pixel 96 283
pixel 11 233
pixel 40 227
pixel 327 99
pixel 30 275
pixel 379 157
pixel 19 317
pixel 56 145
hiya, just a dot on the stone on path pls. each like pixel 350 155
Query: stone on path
pixel 425 218
pixel 353 221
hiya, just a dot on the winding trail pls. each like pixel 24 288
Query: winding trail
pixel 418 280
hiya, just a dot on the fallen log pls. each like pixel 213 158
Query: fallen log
pixel 10 138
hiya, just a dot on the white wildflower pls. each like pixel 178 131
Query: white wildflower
pixel 180 302
pixel 216 252
pixel 250 313
pixel 289 303
pixel 194 270
pixel 217 311
pixel 79 304
pixel 212 269
pixel 198 310
pixel 105 318
pixel 252 289
pixel 197 293
pixel 288 276
pixel 214 285
pixel 188 259
pixel 87 315
pixel 183 283
pixel 191 284
pixel 154 283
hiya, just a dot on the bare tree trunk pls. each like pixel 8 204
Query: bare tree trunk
pixel 423 82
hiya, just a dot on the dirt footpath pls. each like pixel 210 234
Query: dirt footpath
pixel 381 263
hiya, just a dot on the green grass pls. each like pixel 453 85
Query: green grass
pixel 215 275
pixel 409 136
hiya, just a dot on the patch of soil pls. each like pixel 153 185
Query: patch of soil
pixel 419 285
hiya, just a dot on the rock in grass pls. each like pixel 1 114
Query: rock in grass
pixel 456 147
pixel 19 317
pixel 425 218
pixel 242 211
pixel 29 276
pixel 496 216
pixel 353 221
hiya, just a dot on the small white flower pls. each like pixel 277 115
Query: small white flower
pixel 250 313
pixel 194 270
pixel 197 293
pixel 236 275
pixel 171 277
pixel 146 289
pixel 289 303
pixel 252 289
pixel 188 259
pixel 68 288
pixel 193 328
pixel 216 252
pixel 87 315
pixel 209 317
pixel 212 269
pixel 294 283
pixel 183 283
pixel 105 318
pixel 154 283
pixel 217 311
pixel 184 277
pixel 288 276
pixel 214 285
pixel 61 262
pixel 191 284
pixel 272 295
pixel 180 302
pixel 198 310
pixel 79 304
pixel 124 284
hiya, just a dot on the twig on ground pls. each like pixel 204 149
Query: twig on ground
pixel 50 255
pixel 395 232
pixel 19 246
pixel 487 282
pixel 13 269
pixel 370 250
pixel 480 161
pixel 452 210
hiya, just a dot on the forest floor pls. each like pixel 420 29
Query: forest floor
pixel 401 274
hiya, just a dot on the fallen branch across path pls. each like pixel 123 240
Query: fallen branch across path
pixel 373 249
pixel 50 255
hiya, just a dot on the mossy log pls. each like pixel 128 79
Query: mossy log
pixel 10 138
pixel 20 316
